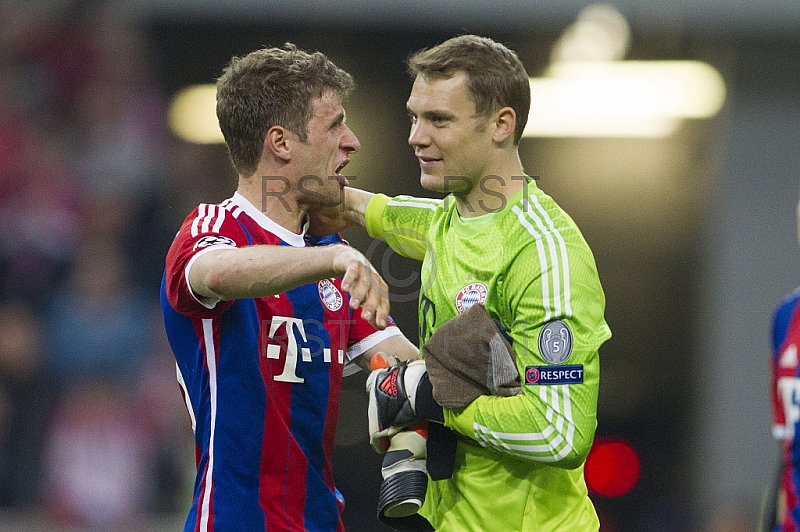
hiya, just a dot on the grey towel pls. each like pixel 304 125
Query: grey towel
pixel 468 357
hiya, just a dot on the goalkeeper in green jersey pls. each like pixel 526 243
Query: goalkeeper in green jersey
pixel 499 241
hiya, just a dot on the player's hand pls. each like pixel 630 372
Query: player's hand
pixel 366 287
pixel 324 221
pixel 349 213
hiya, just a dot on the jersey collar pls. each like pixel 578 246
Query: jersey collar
pixel 293 239
pixel 468 227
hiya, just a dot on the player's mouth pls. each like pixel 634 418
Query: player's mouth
pixel 427 162
pixel 342 179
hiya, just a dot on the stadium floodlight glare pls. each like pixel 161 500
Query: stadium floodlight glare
pixel 622 98
pixel 192 115
pixel 573 99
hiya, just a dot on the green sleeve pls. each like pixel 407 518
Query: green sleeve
pixel 374 214
pixel 556 425
pixel 402 222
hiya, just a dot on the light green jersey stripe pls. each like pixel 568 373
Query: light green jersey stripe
pixel 558 436
pixel 422 203
pixel 564 258
pixel 543 262
pixel 554 261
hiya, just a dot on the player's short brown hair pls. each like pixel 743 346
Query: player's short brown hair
pixel 496 76
pixel 268 87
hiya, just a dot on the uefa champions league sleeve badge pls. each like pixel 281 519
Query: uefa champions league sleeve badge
pixel 555 342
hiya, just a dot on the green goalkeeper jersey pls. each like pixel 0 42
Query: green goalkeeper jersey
pixel 519 462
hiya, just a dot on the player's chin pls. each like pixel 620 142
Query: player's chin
pixel 433 182
pixel 442 183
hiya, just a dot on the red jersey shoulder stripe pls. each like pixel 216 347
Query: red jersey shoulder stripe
pixel 206 216
pixel 232 207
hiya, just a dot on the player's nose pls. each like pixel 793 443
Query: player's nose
pixel 417 136
pixel 350 142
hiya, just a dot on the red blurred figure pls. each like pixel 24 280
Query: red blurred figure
pixel 612 467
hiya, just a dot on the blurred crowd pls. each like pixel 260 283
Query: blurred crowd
pixel 92 189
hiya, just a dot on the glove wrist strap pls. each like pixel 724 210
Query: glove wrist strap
pixel 424 405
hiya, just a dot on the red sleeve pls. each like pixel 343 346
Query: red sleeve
pixel 207 227
pixel 360 329
pixel 363 336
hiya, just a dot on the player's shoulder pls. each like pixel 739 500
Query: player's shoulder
pixel 212 217
pixel 538 233
pixel 212 224
pixel 782 317
pixel 790 300
pixel 786 307
pixel 536 216
pixel 418 206
pixel 419 202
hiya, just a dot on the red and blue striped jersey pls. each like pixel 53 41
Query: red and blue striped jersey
pixel 786 403
pixel 261 379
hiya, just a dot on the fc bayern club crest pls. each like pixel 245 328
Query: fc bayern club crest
pixel 469 295
pixel 330 295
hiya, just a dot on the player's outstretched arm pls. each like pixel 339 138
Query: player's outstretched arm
pixel 262 271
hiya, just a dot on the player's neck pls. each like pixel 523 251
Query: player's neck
pixel 491 191
pixel 269 195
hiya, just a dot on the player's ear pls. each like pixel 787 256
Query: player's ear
pixel 277 143
pixel 504 122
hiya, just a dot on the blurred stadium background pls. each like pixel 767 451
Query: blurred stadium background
pixel 692 224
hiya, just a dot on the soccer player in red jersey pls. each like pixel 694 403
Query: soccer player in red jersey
pixel 263 318
pixel 786 406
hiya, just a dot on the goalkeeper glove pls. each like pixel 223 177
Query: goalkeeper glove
pixel 399 396
pixel 405 477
